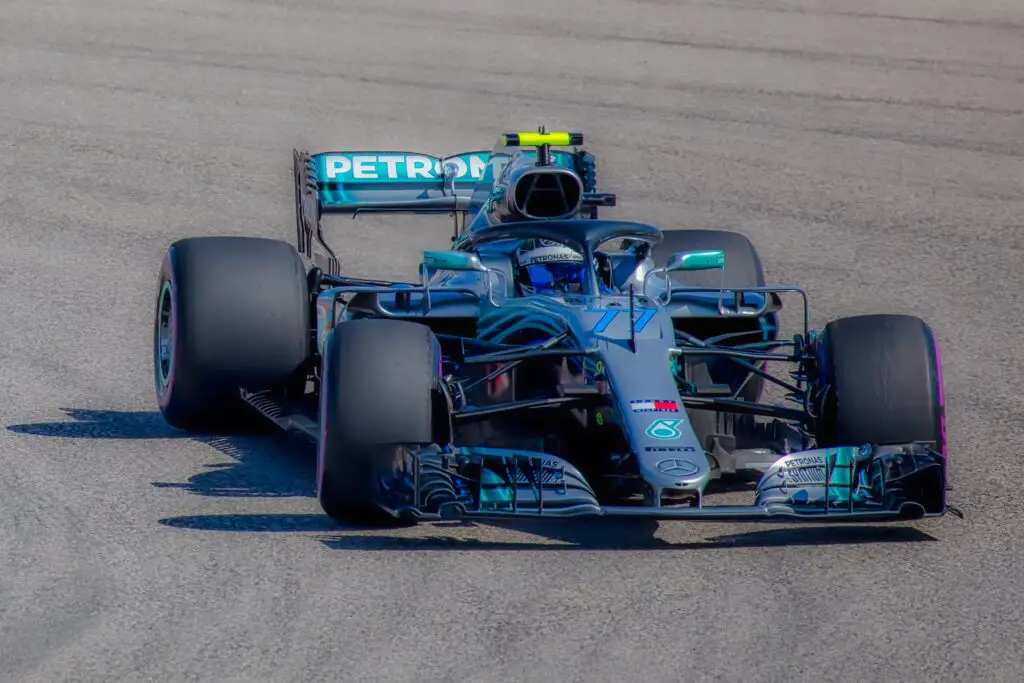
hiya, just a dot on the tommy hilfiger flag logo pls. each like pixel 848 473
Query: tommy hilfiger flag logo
pixel 654 406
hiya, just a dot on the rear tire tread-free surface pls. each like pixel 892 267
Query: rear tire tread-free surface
pixel 742 262
pixel 231 312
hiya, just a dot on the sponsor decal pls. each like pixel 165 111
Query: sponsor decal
pixel 666 430
pixel 368 167
pixel 654 406
pixel 557 257
pixel 548 476
pixel 805 461
pixel 670 449
pixel 676 467
pixel 397 167
pixel 807 477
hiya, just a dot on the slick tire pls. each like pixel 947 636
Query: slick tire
pixel 742 269
pixel 231 312
pixel 884 376
pixel 380 398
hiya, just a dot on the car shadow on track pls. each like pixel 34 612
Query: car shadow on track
pixel 579 534
pixel 262 465
pixel 279 465
pixel 627 535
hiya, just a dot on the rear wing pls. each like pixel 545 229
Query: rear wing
pixel 372 182
pixel 355 182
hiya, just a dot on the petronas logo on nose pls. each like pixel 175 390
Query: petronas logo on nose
pixel 666 430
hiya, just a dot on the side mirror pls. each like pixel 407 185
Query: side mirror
pixel 696 260
pixel 458 260
pixel 452 260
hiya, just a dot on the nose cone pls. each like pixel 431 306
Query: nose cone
pixel 667 449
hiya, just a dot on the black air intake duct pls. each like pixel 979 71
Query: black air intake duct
pixel 547 193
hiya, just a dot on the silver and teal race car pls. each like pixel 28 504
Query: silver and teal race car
pixel 548 362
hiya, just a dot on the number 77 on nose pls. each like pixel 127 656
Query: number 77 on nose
pixel 641 317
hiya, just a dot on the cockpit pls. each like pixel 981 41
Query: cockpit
pixel 545 267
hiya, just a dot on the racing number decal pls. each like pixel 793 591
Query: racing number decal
pixel 641 317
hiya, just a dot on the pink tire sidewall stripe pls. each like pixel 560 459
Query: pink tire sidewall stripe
pixel 942 394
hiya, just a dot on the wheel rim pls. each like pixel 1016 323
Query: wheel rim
pixel 165 337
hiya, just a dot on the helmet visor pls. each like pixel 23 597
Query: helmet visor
pixel 550 277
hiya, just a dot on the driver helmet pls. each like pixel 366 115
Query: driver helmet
pixel 544 266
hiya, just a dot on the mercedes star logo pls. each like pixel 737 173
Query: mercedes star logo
pixel 676 467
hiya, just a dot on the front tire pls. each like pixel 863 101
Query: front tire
pixel 231 312
pixel 884 379
pixel 380 398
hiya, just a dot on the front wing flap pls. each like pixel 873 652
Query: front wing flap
pixel 862 484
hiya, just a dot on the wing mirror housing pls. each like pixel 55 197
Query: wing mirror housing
pixel 452 260
pixel 444 259
pixel 689 261
pixel 696 260
pixel 711 259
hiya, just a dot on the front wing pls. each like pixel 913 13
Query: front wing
pixel 865 484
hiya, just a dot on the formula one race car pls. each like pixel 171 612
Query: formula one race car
pixel 549 363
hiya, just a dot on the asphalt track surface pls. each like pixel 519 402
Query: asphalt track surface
pixel 872 150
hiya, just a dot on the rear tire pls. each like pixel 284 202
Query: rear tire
pixel 742 269
pixel 742 262
pixel 885 379
pixel 380 396
pixel 231 312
